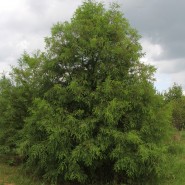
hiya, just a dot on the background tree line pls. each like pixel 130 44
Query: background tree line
pixel 85 111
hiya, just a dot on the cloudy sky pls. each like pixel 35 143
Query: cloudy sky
pixel 25 23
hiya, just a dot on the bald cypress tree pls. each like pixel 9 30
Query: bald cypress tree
pixel 99 118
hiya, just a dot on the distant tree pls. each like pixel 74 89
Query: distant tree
pixel 175 97
pixel 178 113
pixel 7 132
pixel 17 92
pixel 174 93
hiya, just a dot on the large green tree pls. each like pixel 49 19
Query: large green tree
pixel 94 114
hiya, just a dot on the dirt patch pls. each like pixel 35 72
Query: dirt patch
pixel 6 183
pixel 177 137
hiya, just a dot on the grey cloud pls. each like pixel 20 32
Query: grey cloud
pixel 160 20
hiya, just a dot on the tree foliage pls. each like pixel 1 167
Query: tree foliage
pixel 175 97
pixel 174 93
pixel 89 110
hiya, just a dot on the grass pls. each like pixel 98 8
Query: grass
pixel 10 175
pixel 177 176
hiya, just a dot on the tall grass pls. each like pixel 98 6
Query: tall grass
pixel 177 169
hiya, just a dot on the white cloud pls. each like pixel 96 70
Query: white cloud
pixel 23 45
pixel 25 23
pixel 152 50
pixel 168 71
